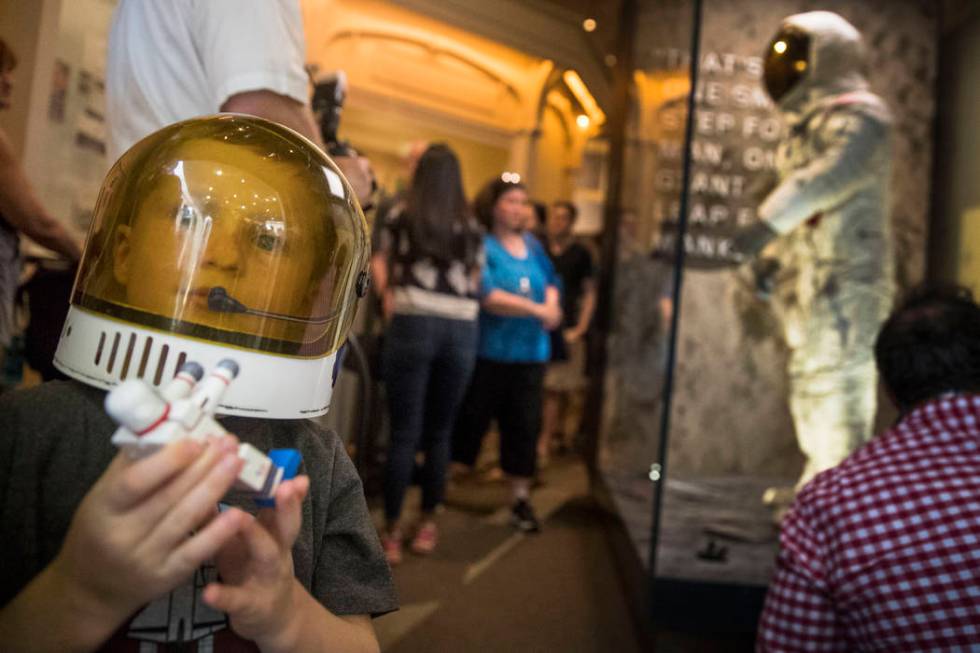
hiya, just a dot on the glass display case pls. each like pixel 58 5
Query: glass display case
pixel 700 444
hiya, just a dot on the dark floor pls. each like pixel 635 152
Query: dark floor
pixel 488 588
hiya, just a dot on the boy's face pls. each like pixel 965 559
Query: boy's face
pixel 224 217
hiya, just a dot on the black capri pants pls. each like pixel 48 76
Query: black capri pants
pixel 511 394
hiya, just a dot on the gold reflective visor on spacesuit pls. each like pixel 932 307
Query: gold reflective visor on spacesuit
pixel 228 229
pixel 787 61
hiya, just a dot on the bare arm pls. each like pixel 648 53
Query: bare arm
pixel 500 302
pixel 277 108
pixel 379 281
pixel 379 273
pixel 313 628
pixel 587 310
pixel 299 117
pixel 22 210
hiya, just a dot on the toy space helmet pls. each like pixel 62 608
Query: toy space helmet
pixel 815 52
pixel 220 237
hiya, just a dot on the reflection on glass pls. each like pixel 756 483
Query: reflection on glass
pixel 642 306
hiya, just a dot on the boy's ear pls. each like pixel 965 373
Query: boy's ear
pixel 121 251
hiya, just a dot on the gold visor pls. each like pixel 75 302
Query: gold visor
pixel 230 229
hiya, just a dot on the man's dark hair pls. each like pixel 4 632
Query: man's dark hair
pixel 568 206
pixel 930 345
pixel 540 214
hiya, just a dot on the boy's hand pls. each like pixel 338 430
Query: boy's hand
pixel 131 539
pixel 257 588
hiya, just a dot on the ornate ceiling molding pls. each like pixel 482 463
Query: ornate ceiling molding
pixel 431 48
pixel 536 28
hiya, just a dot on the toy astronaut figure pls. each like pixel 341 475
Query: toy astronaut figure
pixel 828 222
pixel 184 408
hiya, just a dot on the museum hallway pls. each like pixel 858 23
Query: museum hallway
pixel 489 588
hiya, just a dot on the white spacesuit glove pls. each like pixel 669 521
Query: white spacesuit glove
pixel 748 241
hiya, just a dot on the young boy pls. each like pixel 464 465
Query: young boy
pixel 216 237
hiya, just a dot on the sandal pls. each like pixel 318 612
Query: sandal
pixel 425 539
pixel 392 545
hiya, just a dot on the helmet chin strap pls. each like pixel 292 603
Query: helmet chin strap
pixel 221 302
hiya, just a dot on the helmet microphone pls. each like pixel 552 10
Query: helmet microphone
pixel 220 301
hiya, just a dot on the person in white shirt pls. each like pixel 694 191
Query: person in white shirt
pixel 170 61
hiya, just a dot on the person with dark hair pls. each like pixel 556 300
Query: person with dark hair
pixel 931 346
pixel 427 270
pixel 537 216
pixel 882 552
pixel 520 304
pixel 21 213
pixel 564 379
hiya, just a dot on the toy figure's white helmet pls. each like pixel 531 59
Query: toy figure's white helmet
pixel 217 237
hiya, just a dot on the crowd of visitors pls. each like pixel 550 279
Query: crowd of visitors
pixel 473 304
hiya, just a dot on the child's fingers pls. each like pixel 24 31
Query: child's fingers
pixel 205 544
pixel 197 505
pixel 263 548
pixel 161 502
pixel 127 482
pixel 226 598
pixel 284 520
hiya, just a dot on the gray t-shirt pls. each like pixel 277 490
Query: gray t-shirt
pixel 9 276
pixel 55 443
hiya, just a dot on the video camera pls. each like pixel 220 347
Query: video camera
pixel 329 93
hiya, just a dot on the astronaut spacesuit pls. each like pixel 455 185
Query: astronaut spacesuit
pixel 828 218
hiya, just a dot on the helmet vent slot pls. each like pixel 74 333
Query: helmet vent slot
pixel 161 364
pixel 113 352
pixel 180 362
pixel 129 357
pixel 98 350
pixel 147 345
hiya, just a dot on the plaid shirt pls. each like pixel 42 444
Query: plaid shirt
pixel 882 552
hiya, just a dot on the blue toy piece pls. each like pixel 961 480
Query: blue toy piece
pixel 289 461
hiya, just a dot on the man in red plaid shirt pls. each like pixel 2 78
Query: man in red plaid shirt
pixel 882 552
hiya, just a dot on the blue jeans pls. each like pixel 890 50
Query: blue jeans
pixel 427 363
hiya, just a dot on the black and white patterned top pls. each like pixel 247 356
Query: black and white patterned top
pixel 422 285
